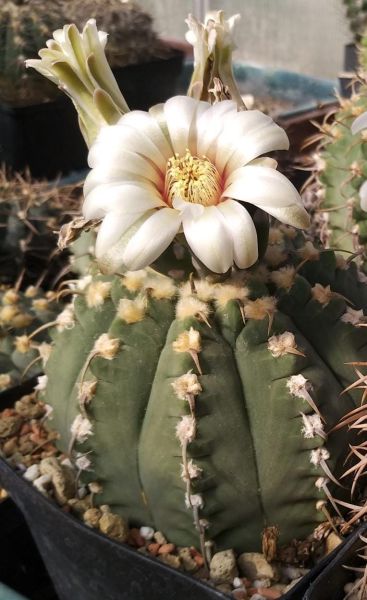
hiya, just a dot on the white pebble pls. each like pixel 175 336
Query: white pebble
pixel 292 573
pixel 40 483
pixel 237 582
pixel 32 473
pixel 147 532
pixel 82 492
pixel 262 583
pixel 257 597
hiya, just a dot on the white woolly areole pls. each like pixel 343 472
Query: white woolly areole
pixel 284 278
pixel 22 344
pixel 87 389
pixel 226 292
pixel 106 347
pixel 132 311
pixel 318 455
pixel 312 426
pixel 190 306
pixel 66 319
pixel 5 380
pixel 321 482
pixel 308 252
pixel 275 255
pixel 134 280
pixel 354 317
pixel 322 294
pixel 81 428
pixel 161 287
pixel 41 383
pixel 297 385
pixel 187 341
pixel 192 471
pixel 44 351
pixel 83 282
pixel 10 297
pixel 276 235
pixel 260 308
pixel 194 501
pixel 187 385
pixel 204 290
pixel 83 463
pixel 97 292
pixel 279 345
pixel 40 304
pixel 185 429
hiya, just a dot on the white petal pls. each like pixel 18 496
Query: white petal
pixel 143 121
pixel 151 239
pixel 241 227
pixel 123 197
pixel 359 123
pixel 113 140
pixel 210 124
pixel 179 113
pixel 208 238
pixel 132 167
pixel 257 162
pixel 270 190
pixel 112 228
pixel 363 195
pixel 247 135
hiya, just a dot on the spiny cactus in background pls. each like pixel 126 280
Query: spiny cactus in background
pixel 31 212
pixel 339 169
pixel 204 409
pixel 25 25
pixel 131 37
pixel 22 313
pixel 357 15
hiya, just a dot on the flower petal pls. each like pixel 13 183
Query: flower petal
pixel 143 121
pixel 113 140
pixel 210 124
pixel 363 195
pixel 247 135
pixel 359 123
pixel 208 238
pixel 151 239
pixel 241 228
pixel 179 113
pixel 131 167
pixel 271 191
pixel 123 196
pixel 113 226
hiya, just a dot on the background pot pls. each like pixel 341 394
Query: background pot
pixel 46 137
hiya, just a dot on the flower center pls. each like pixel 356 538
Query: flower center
pixel 193 179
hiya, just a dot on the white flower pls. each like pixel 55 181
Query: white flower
pixel 358 125
pixel 186 166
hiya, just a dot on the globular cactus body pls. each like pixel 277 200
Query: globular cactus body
pixel 204 410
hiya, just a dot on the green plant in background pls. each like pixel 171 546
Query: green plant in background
pixel 24 28
pixel 357 15
pixel 202 408
pixel 31 213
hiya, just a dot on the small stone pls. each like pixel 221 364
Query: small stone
pixel 114 526
pixel 223 566
pixel 292 573
pixel 257 597
pixel 10 425
pixel 153 548
pixel 188 563
pixel 332 542
pixel 63 479
pixel 167 549
pixel 10 446
pixel 105 508
pixel 240 594
pixel 264 583
pixel 79 507
pixel 135 539
pixel 92 517
pixel 269 593
pixel 147 533
pixel 226 588
pixel 171 560
pixel 32 473
pixel 255 566
pixel 25 445
pixel 28 409
pixel 159 538
pixel 43 483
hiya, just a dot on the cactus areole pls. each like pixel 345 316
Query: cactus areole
pixel 203 407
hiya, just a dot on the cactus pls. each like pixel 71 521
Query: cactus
pixel 203 408
pixel 25 26
pixel 31 212
pixel 357 15
pixel 22 313
pixel 131 38
pixel 339 169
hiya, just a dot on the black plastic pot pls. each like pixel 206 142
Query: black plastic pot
pixel 85 565
pixel 46 137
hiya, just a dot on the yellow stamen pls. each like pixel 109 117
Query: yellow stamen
pixel 192 178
